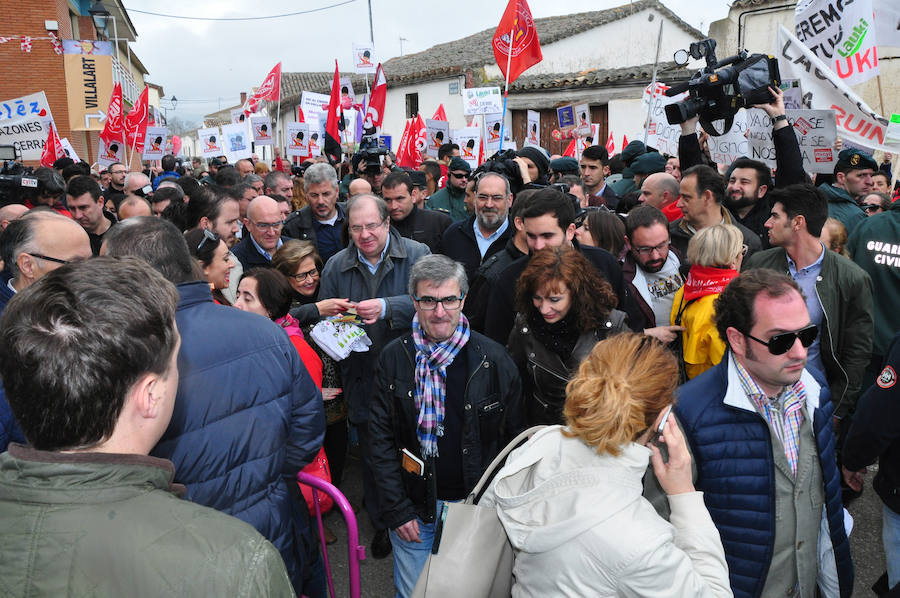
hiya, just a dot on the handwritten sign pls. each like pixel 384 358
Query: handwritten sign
pixel 842 34
pixel 32 106
pixel 482 100
pixel 660 134
pixel 27 135
pixel 727 148
pixel 815 131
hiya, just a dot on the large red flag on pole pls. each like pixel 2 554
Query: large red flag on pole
pixel 53 149
pixel 401 146
pixel 269 90
pixel 136 123
pixel 440 113
pixel 332 145
pixel 113 130
pixel 375 111
pixel 516 47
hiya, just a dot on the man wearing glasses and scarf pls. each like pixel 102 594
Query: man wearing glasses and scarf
pixel 448 399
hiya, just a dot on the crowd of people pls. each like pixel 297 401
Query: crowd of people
pixel 711 349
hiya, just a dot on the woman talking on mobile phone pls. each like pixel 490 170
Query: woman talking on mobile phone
pixel 570 498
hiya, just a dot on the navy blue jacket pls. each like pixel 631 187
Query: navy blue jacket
pixel 732 450
pixel 247 254
pixel 247 418
pixel 9 429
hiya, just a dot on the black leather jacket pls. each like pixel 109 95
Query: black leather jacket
pixel 493 408
pixel 545 374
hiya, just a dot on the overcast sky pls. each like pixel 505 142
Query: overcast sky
pixel 206 64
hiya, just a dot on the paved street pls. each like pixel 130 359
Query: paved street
pixel 868 556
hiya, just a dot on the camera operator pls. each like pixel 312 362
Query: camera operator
pixel 749 182
pixel 51 187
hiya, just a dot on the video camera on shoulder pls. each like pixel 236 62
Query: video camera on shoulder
pixel 719 90
pixel 370 155
pixel 14 176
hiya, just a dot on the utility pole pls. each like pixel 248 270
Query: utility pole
pixel 372 29
pixel 402 39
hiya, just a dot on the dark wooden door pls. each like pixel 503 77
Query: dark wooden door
pixel 599 114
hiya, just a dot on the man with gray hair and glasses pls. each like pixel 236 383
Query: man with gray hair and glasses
pixel 322 218
pixel 450 398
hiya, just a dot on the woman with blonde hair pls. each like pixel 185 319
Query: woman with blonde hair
pixel 715 253
pixel 571 501
pixel 261 168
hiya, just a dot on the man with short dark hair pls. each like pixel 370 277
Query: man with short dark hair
pixel 486 232
pixel 111 522
pixel 759 427
pixel 424 226
pixel 852 180
pixel 168 165
pixel 746 195
pixel 164 196
pixel 702 193
pixel 433 177
pixel 227 177
pixel 237 438
pixel 278 183
pixel 451 199
pixel 593 163
pixel 471 387
pixel 881 182
pixel 86 206
pixel 115 192
pixel 838 293
pixel 49 191
pixel 323 216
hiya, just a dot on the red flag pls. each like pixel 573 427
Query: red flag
pixel 269 90
pixel 136 122
pixel 516 40
pixel 624 142
pixel 418 140
pixel 332 143
pixel 440 114
pixel 610 144
pixel 53 149
pixel 375 111
pixel 570 149
pixel 300 117
pixel 401 146
pixel 113 129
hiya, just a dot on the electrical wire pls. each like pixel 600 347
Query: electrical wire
pixel 289 14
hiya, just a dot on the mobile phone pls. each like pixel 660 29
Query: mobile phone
pixel 411 463
pixel 662 425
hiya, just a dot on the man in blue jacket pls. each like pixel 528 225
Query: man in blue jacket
pixel 247 414
pixel 760 431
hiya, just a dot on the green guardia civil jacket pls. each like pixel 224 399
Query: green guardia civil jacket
pixel 92 524
pixel 449 200
pixel 843 207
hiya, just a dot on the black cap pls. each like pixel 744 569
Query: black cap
pixel 854 159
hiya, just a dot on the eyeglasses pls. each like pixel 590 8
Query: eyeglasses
pixel 263 226
pixel 55 260
pixel 648 250
pixel 371 227
pixel 459 175
pixel 482 197
pixel 781 343
pixel 301 276
pixel 871 207
pixel 208 235
pixel 430 303
pixel 117 171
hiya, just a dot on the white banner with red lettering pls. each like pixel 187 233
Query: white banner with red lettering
pixel 842 34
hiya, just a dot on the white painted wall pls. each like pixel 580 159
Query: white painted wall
pixel 626 118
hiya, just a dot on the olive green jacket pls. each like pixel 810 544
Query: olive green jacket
pixel 92 524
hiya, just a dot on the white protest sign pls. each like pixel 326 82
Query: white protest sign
pixel 468 140
pixel 856 121
pixel 109 155
pixel 482 100
pixel 298 139
pixel 533 134
pixel 364 58
pixel 314 105
pixel 887 23
pixel 815 131
pixel 27 135
pixel 348 97
pixel 315 136
pixel 582 120
pixel 155 143
pixel 70 151
pixel 437 134
pixel 725 149
pixel 660 134
pixel 236 140
pixel 237 116
pixel 492 125
pixel 893 130
pixel 210 142
pixel 262 130
pixel 841 34
pixel 793 95
pixel 32 107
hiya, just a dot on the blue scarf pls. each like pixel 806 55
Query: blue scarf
pixel 432 360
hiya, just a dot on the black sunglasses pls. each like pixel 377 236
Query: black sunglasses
pixel 781 343
pixel 870 207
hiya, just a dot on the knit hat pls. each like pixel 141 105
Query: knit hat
pixel 539 158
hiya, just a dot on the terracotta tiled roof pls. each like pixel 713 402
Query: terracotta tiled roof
pixel 668 71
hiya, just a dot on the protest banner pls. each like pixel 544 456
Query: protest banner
pixel 298 139
pixel 482 100
pixel 27 135
pixel 236 140
pixel 887 23
pixel 364 58
pixel 815 131
pixel 492 125
pixel 262 130
pixel 841 34
pixel 89 82
pixel 892 135
pixel 533 136
pixel 565 115
pixel 32 106
pixel 315 108
pixel 155 143
pixel 210 142
pixel 725 149
pixel 437 134
pixel 68 149
pixel 468 139
pixel 315 137
pixel 856 121
pixel 582 120
pixel 793 95
pixel 107 155
pixel 237 116
pixel 660 134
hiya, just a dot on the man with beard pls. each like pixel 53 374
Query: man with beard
pixel 424 226
pixel 652 268
pixel 476 238
pixel 746 195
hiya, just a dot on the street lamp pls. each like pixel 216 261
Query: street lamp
pixel 99 14
pixel 173 101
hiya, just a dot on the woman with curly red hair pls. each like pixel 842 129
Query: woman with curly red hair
pixel 564 308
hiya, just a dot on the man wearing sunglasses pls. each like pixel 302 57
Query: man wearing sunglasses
pixel 452 198
pixel 760 431
pixel 838 293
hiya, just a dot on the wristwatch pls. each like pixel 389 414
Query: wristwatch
pixel 779 118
